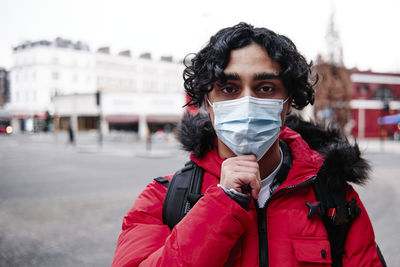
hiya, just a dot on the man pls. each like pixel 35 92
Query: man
pixel 258 174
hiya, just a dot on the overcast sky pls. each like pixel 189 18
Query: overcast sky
pixel 369 30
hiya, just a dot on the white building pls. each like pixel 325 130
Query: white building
pixel 62 78
pixel 138 92
pixel 43 70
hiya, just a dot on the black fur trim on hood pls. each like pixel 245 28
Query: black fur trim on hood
pixel 196 133
pixel 343 162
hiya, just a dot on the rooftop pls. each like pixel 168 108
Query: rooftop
pixel 58 42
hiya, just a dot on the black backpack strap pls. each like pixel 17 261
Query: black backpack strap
pixel 183 193
pixel 337 215
pixel 162 181
pixel 381 256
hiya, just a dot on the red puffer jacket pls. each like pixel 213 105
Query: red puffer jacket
pixel 219 232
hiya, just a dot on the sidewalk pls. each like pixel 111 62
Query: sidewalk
pixel 121 144
pixel 129 145
pixel 378 146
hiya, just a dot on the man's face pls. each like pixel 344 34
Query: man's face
pixel 250 72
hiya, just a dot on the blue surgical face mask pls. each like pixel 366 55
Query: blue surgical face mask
pixel 248 125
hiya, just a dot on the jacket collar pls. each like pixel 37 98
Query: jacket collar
pixel 316 149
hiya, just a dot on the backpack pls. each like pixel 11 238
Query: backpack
pixel 183 193
pixel 335 211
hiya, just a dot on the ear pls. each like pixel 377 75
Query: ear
pixel 289 106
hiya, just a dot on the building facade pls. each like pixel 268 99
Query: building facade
pixel 43 70
pixel 139 94
pixel 374 95
pixel 86 90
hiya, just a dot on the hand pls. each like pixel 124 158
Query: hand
pixel 242 174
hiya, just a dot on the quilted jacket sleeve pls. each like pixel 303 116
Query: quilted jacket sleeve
pixel 203 237
pixel 360 247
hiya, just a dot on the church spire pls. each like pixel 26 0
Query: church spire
pixel 333 42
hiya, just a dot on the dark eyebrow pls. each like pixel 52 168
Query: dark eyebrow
pixel 232 76
pixel 265 76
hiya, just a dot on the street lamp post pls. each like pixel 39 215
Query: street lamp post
pixel 385 109
pixel 98 103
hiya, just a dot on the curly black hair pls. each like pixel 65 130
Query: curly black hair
pixel 207 66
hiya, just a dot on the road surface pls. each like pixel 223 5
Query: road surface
pixel 62 205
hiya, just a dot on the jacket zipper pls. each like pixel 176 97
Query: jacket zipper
pixel 262 236
pixel 262 223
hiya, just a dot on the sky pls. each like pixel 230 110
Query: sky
pixel 368 30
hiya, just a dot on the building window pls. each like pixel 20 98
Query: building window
pixel 55 75
pixel 88 123
pixel 364 90
pixel 383 93
pixel 150 86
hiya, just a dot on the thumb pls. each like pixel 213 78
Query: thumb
pixel 255 189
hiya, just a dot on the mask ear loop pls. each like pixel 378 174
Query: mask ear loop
pixel 284 101
pixel 203 107
pixel 208 100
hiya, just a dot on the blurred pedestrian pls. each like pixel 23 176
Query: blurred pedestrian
pixel 71 135
pixel 148 139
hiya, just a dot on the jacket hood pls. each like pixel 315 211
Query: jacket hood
pixel 342 161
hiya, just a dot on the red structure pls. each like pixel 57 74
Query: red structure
pixel 374 95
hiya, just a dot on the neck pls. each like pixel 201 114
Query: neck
pixel 224 151
pixel 270 161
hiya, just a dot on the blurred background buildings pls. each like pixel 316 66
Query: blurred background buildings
pixel 60 84
pixel 354 100
pixel 63 205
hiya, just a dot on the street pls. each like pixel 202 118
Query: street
pixel 63 205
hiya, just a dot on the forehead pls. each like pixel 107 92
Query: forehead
pixel 250 60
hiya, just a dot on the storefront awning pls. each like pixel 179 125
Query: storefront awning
pixel 135 118
pixel 162 118
pixel 122 118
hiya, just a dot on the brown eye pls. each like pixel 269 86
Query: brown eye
pixel 228 90
pixel 266 89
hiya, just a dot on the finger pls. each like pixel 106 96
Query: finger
pixel 248 190
pixel 250 157
pixel 245 169
pixel 255 193
pixel 244 158
pixel 251 179
pixel 249 164
pixel 255 186
pixel 241 162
